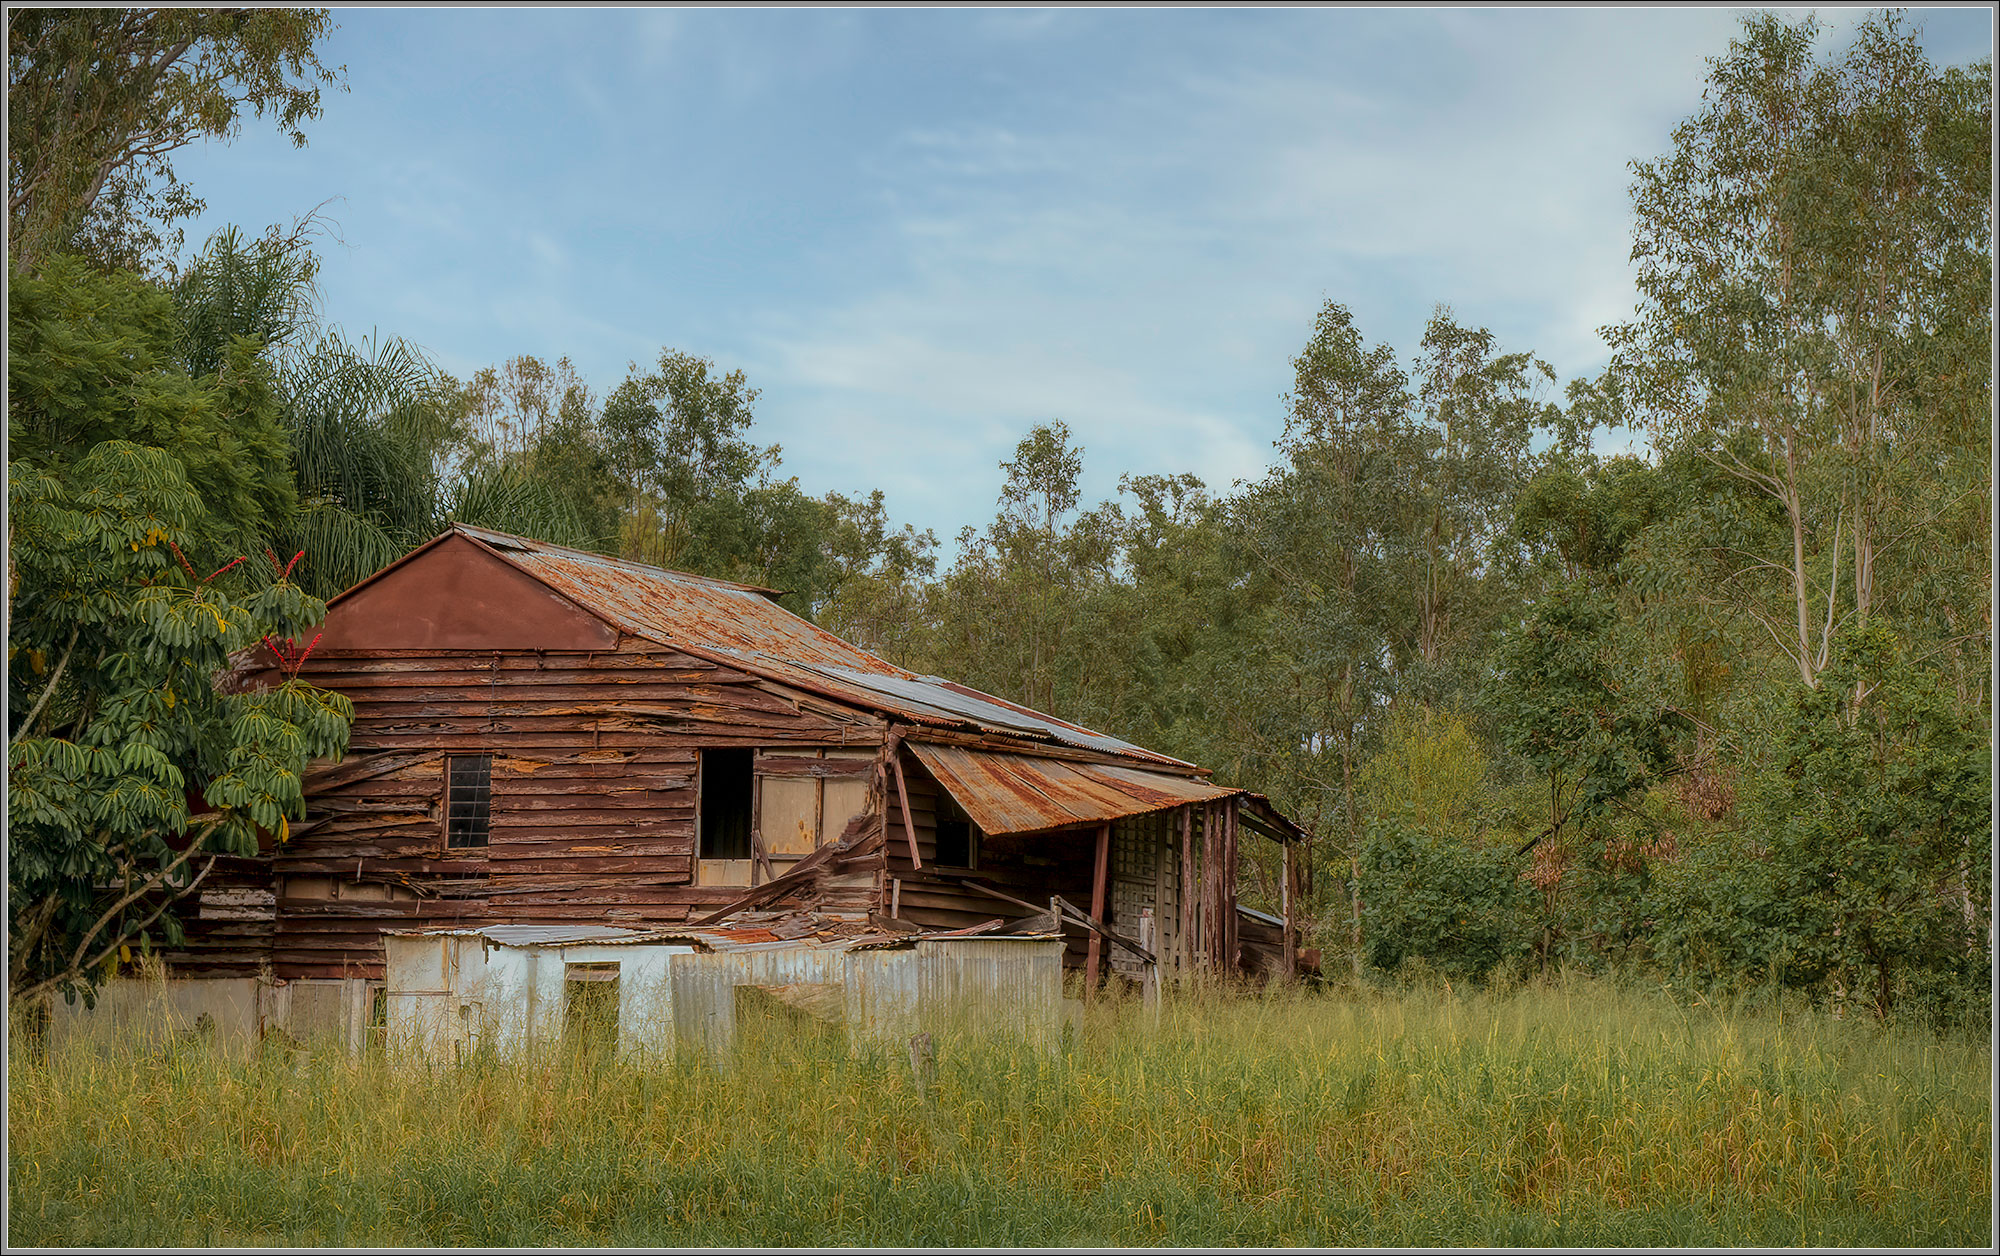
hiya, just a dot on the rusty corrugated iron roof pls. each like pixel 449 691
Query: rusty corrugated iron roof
pixel 1011 793
pixel 676 608
pixel 745 627
pixel 943 698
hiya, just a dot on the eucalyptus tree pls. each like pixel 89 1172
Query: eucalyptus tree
pixel 1004 607
pixel 1479 413
pixel 1325 526
pixel 100 100
pixel 838 561
pixel 1324 529
pixel 531 457
pixel 1038 496
pixel 1814 261
pixel 676 438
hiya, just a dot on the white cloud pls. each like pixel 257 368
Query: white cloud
pixel 920 234
pixel 1144 269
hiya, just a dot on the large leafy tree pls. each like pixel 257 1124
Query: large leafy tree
pixel 1814 262
pixel 100 100
pixel 1327 530
pixel 534 460
pixel 1479 414
pixel 95 356
pixel 1880 824
pixel 676 438
pixel 1589 740
pixel 136 570
pixel 129 773
pixel 1864 877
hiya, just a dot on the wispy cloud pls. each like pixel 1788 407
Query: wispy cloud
pixel 921 233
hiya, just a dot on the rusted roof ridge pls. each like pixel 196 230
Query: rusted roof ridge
pixel 529 545
pixel 734 624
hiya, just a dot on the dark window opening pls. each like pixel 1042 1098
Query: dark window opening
pixel 957 835
pixel 590 1007
pixel 725 804
pixel 468 799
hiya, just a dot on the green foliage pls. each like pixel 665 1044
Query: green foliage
pixel 99 100
pixel 96 356
pixel 1814 260
pixel 1459 905
pixel 1879 818
pixel 871 577
pixel 1560 709
pixel 536 462
pixel 261 291
pixel 114 646
pixel 1586 518
pixel 1430 773
pixel 371 427
pixel 676 444
pixel 148 433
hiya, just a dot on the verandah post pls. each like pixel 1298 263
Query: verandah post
pixel 1285 909
pixel 1184 943
pixel 1098 887
pixel 1229 928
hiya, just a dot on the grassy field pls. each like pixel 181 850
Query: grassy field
pixel 1569 1115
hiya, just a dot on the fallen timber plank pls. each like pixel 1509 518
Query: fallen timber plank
pixel 1097 926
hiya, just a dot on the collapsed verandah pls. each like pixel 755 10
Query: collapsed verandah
pixel 1141 864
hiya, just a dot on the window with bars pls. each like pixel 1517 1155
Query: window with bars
pixel 468 799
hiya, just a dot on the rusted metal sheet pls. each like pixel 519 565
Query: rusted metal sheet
pixel 457 597
pixel 743 623
pixel 676 608
pixel 1011 793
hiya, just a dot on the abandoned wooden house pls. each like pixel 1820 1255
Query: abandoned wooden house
pixel 544 736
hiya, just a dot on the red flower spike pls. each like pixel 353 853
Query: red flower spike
pixel 290 657
pixel 219 570
pixel 288 571
pixel 183 557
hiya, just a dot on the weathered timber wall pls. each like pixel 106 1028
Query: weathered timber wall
pixel 593 799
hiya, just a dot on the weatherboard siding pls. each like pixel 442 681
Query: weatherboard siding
pixel 593 799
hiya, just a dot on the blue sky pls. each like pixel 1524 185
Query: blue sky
pixel 921 232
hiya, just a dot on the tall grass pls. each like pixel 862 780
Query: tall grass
pixel 1565 1115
